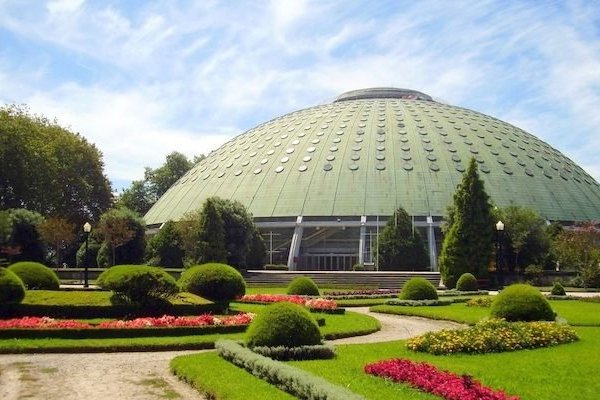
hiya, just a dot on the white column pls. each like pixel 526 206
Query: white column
pixel 431 244
pixel 361 240
pixel 295 245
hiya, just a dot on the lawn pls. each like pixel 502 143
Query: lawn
pixel 92 298
pixel 541 374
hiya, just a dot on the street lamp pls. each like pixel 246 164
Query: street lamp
pixel 499 232
pixel 87 228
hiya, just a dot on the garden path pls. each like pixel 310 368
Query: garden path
pixel 144 376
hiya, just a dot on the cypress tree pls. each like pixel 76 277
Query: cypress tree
pixel 212 233
pixel 399 246
pixel 467 245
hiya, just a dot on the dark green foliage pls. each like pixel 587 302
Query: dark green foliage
pixel 467 245
pixel 12 289
pixel 401 246
pixel 35 276
pixel 283 324
pixel 285 353
pixel 275 267
pixel 558 290
pixel 139 283
pixel 418 303
pixel 212 233
pixel 165 249
pixel 521 302
pixel 138 197
pixel 214 281
pixel 48 169
pixel 467 283
pixel 25 237
pixel 257 252
pixel 303 286
pixel 124 238
pixel 93 249
pixel 299 383
pixel 418 289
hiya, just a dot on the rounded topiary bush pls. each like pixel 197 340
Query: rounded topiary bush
pixel 521 302
pixel 283 324
pixel 35 275
pixel 12 289
pixel 303 286
pixel 467 283
pixel 213 281
pixel 139 283
pixel 558 290
pixel 418 289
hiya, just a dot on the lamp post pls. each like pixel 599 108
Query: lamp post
pixel 87 228
pixel 499 233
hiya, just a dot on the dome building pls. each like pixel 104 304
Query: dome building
pixel 321 182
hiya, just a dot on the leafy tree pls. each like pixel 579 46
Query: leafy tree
pixel 400 246
pixel 165 249
pixel 467 245
pixel 162 178
pixel 6 250
pixel 212 233
pixel 257 253
pixel 25 240
pixel 123 233
pixel 49 169
pixel 578 248
pixel 525 233
pixel 137 197
pixel 58 233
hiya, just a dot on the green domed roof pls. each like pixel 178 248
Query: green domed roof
pixel 373 150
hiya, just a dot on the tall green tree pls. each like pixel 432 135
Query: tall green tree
pixel 165 249
pixel 467 245
pixel 25 240
pixel 48 169
pixel 59 234
pixel 400 246
pixel 124 238
pixel 212 233
pixel 578 249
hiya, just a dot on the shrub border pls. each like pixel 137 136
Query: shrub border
pixel 418 303
pixel 297 382
pixel 283 353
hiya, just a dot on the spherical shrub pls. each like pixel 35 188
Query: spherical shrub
pixel 418 289
pixel 213 281
pixel 35 275
pixel 521 302
pixel 303 286
pixel 283 324
pixel 139 283
pixel 558 290
pixel 12 289
pixel 467 283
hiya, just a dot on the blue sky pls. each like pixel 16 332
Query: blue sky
pixel 141 79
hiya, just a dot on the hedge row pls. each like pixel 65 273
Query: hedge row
pixel 106 333
pixel 112 311
pixel 301 384
pixel 453 292
pixel 417 303
pixel 284 353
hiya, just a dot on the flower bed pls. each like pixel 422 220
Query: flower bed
pixel 360 294
pixel 418 303
pixel 480 302
pixel 492 336
pixel 429 379
pixel 166 321
pixel 318 304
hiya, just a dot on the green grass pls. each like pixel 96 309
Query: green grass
pixel 361 302
pixel 567 367
pixel 92 298
pixel 578 313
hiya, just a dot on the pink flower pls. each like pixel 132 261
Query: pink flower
pixel 312 303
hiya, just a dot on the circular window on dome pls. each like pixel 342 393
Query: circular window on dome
pixel 405 147
pixel 452 149
pixel 494 152
pixel 447 141
pixel 402 132
pixel 356 147
pixel 238 155
pixel 404 139
pixel 353 167
pixel 205 177
pixel 264 161
pixel 289 150
pixel 337 140
pixel 380 131
pixel 333 149
pixel 539 164
pixel 381 139
pixel 459 167
pixel 214 167
pixel 295 142
pixel 484 169
pixel 260 146
pixel 285 159
pixel 311 149
pixel 291 128
pixel 469 142
pixel 238 172
pixel 306 158
pixel 330 157
pixel 428 147
pixel 406 156
pixel 380 166
pixel 340 133
pixel 342 126
pixel 228 165
pixel 407 166
pixel 270 152
pixel 279 169
pixel 268 138
pixel 252 154
pixel 455 158
pixel 380 147
pixel 507 170
pixel 528 172
pixel 501 160
pixel 245 148
pixel 301 134
pixel 434 167
pixel 431 157
pixel 221 174
pixel 302 168
pixel 473 150
pixel 257 171
pixel 358 139
pixel 277 144
pixel 355 157
pixel 327 167
pixel 246 162
pixel 521 162
pixel 362 125
pixel 380 157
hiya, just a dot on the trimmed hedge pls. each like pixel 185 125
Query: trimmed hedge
pixel 213 281
pixel 139 283
pixel 12 289
pixel 35 275
pixel 558 290
pixel 454 292
pixel 521 302
pixel 275 267
pixel 467 283
pixel 417 303
pixel 418 289
pixel 105 333
pixel 283 324
pixel 303 286
pixel 299 353
pixel 299 383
